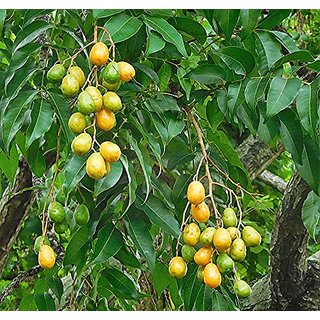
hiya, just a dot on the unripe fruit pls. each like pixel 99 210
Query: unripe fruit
pixel 203 256
pixel 242 289
pixel 46 257
pixel 56 73
pixel 177 267
pixel 96 166
pixel 251 236
pixel 86 103
pixel 200 212
pixel 56 212
pixel 229 218
pixel 188 253
pixel 81 144
pixel 77 122
pixel 225 263
pixel 61 227
pixel 78 74
pixel 200 273
pixel 110 151
pixel 234 232
pixel 105 119
pixel 191 234
pixel 196 192
pixel 127 71
pixel 111 87
pixel 70 86
pixel 82 215
pixel 96 96
pixel 206 237
pixel 222 239
pixel 112 101
pixel 238 250
pixel 99 54
pixel 212 276
pixel 111 73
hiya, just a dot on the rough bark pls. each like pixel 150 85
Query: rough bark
pixel 273 180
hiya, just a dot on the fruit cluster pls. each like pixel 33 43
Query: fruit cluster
pixel 214 250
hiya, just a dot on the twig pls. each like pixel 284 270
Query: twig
pixel 111 41
pixel 183 223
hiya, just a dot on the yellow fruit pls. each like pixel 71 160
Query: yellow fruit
pixel 112 101
pixel 127 71
pixel 96 96
pixel 105 119
pixel 203 256
pixel 222 239
pixel 177 267
pixel 196 192
pixel 201 212
pixel 212 276
pixel 191 234
pixel 46 257
pixel 96 166
pixel 234 232
pixel 81 144
pixel 108 168
pixel 229 218
pixel 77 122
pixel 99 54
pixel 110 151
pixel 251 236
pixel 70 86
pixel 78 74
pixel 238 250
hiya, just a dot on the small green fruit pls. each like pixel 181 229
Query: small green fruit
pixel 82 215
pixel 225 263
pixel 56 73
pixel 111 73
pixel 238 250
pixel 229 218
pixel 56 212
pixel 188 253
pixel 86 103
pixel 242 289
pixel 251 236
pixel 200 273
pixel 70 86
pixel 61 227
pixel 206 237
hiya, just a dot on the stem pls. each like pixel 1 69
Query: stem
pixel 184 222
pixel 111 41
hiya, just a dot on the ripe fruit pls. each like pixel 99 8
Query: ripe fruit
pixel 70 86
pixel 225 263
pixel 200 273
pixel 222 239
pixel 77 122
pixel 56 73
pixel 61 227
pixel 99 54
pixel 234 232
pixel 196 192
pixel 212 276
pixel 86 104
pixel 96 96
pixel 96 166
pixel 191 234
pixel 206 237
pixel 127 71
pixel 111 73
pixel 37 243
pixel 242 289
pixel 46 257
pixel 251 236
pixel 105 119
pixel 201 212
pixel 111 87
pixel 203 256
pixel 177 267
pixel 238 250
pixel 56 212
pixel 111 101
pixel 82 215
pixel 188 253
pixel 110 151
pixel 229 218
pixel 81 144
pixel 78 74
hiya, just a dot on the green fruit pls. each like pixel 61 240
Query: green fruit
pixel 229 218
pixel 56 212
pixel 242 289
pixel 56 73
pixel 188 253
pixel 61 227
pixel 78 74
pixel 86 103
pixel 37 243
pixel 251 236
pixel 111 87
pixel 112 101
pixel 96 96
pixel 224 263
pixel 206 237
pixel 81 144
pixel 200 273
pixel 238 250
pixel 234 232
pixel 61 273
pixel 296 36
pixel 89 122
pixel 70 86
pixel 82 215
pixel 77 122
pixel 111 73
pixel 61 197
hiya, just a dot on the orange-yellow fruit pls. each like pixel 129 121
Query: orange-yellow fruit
pixel 191 234
pixel 177 267
pixel 222 239
pixel 203 256
pixel 127 71
pixel 196 192
pixel 212 276
pixel 110 151
pixel 105 119
pixel 99 54
pixel 78 74
pixel 201 212
pixel 96 167
pixel 46 257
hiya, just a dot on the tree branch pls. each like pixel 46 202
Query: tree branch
pixel 273 180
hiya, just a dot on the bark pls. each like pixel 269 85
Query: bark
pixel 273 180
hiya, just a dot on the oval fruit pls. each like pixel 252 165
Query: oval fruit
pixel 96 96
pixel 200 212
pixel 191 234
pixel 234 232
pixel 77 122
pixel 89 127
pixel 224 263
pixel 96 166
pixel 251 236
pixel 112 101
pixel 56 73
pixel 177 267
pixel 111 87
pixel 61 227
pixel 242 289
pixel 203 256
pixel 212 275
pixel 196 192
pixel 37 243
pixel 111 73
pixel 127 71
pixel 86 104
pixel 229 218
pixel 82 215
pixel 46 257
pixel 222 240
pixel 70 86
pixel 56 212
pixel 238 250
pixel 200 273
pixel 105 119
pixel 110 151
pixel 206 237
pixel 188 253
pixel 81 144
pixel 78 74
pixel 99 54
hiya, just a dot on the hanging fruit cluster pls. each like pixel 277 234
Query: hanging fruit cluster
pixel 214 249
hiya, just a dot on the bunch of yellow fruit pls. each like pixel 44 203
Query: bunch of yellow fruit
pixel 214 250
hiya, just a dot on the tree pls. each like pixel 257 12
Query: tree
pixel 219 95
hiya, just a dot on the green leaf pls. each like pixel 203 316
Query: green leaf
pixel 249 19
pixel 175 127
pixel 285 40
pixel 55 284
pixel 155 43
pixel 227 19
pixel 9 163
pixel 160 277
pixel 108 244
pixel 184 82
pixel 214 115
pixel 44 302
pixel 105 13
pixel 254 90
pixel 164 76
pixel 110 180
pixel 127 258
pixel 274 18
pixel 2 18
pixel 235 96
pixel 281 94
pixel 301 56
pixel 207 74
pixel 27 303
pixel 159 214
pixel 148 71
pixel 311 214
pixel 180 188
pixel 168 32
